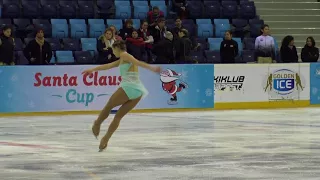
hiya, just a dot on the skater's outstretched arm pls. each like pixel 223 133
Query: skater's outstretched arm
pixel 102 67
pixel 129 58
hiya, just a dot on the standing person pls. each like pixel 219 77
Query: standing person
pixel 310 53
pixel 228 48
pixel 6 47
pixel 183 47
pixel 128 95
pixel 38 51
pixel 159 30
pixel 264 46
pixel 164 50
pixel 148 39
pixel 288 50
pixel 104 47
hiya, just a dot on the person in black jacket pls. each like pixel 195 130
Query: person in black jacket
pixel 6 47
pixel 126 31
pixel 310 53
pixel 164 50
pixel 38 51
pixel 183 47
pixel 180 6
pixel 104 47
pixel 228 49
pixel 159 30
pixel 288 51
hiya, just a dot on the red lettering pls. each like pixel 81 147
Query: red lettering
pixel 37 76
pixel 55 80
pixel 103 81
pixel 112 80
pixel 85 79
pixel 95 79
pixel 119 80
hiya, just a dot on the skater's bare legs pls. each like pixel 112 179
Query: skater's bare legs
pixel 118 98
pixel 123 110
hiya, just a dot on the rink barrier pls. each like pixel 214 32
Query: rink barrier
pixel 62 90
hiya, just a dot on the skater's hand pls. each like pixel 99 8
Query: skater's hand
pixel 88 71
pixel 156 69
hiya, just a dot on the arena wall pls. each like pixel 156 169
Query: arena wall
pixel 64 90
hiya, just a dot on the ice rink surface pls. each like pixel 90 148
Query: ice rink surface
pixel 217 145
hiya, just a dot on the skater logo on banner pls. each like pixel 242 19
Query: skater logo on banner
pixel 172 84
pixel 284 84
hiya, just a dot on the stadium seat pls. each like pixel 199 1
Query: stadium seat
pixel 50 2
pixel 22 27
pixel 139 3
pixel 104 8
pixel 214 43
pixel 67 9
pixel 239 25
pixel 213 57
pixel 203 21
pixel 115 22
pixel 195 9
pixel 255 26
pixel 249 43
pixel 205 30
pixel 203 43
pixel 123 12
pixel 229 9
pixel 78 30
pixel 96 30
pixel 60 30
pixel 64 57
pixel 55 44
pixel 95 21
pixel 47 29
pixel 71 44
pixel 27 40
pixel 197 56
pixel 157 3
pixel 49 11
pixel 248 56
pixel 221 29
pixel 164 9
pixel 83 57
pixel 21 59
pixel 77 21
pixel 247 11
pixel 4 22
pixel 221 21
pixel 10 10
pixel 59 21
pixel 89 44
pixel 240 45
pixel 30 9
pixel 140 12
pixel 40 21
pixel 86 9
pixel 212 9
pixel 18 44
pixel 122 3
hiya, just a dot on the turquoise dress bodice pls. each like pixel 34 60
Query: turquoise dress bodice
pixel 130 82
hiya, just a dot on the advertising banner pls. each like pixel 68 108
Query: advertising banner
pixel 64 88
pixel 261 82
pixel 239 82
pixel 315 83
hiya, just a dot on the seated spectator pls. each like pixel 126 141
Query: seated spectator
pixel 135 45
pixel 115 33
pixel 127 29
pixel 148 39
pixel 159 30
pixel 180 6
pixel 164 50
pixel 6 47
pixel 183 48
pixel 38 51
pixel 264 46
pixel 310 53
pixel 154 15
pixel 104 47
pixel 288 51
pixel 228 49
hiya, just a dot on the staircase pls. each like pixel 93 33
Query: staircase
pixel 291 17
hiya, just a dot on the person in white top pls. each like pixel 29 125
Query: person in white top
pixel 264 46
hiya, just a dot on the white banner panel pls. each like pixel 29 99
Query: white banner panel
pixel 240 82
pixel 288 82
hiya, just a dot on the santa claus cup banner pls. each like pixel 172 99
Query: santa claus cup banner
pixel 64 88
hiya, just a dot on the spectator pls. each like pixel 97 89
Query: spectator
pixel 264 46
pixel 127 29
pixel 180 6
pixel 164 50
pixel 228 48
pixel 104 47
pixel 159 31
pixel 183 47
pixel 115 33
pixel 6 47
pixel 310 53
pixel 135 45
pixel 148 39
pixel 288 51
pixel 176 31
pixel 38 51
pixel 154 15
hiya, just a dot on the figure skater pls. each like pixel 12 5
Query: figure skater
pixel 128 95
